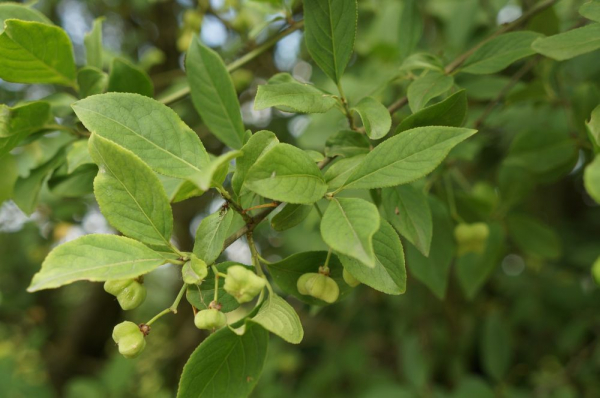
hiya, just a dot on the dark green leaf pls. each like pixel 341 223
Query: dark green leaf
pixel 569 44
pixel 346 143
pixel 533 237
pixel 290 216
pixel 127 78
pixel 427 87
pixel 450 112
pixel 91 81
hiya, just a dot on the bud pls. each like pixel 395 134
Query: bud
pixel 210 319
pixel 242 283
pixel 319 286
pixel 129 338
pixel 350 279
pixel 471 237
pixel 129 292
pixel 194 271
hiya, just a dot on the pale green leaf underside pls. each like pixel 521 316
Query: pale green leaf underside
pixel 290 216
pixel 151 130
pixel 375 117
pixel 286 173
pixel 569 44
pixel 329 33
pixel 290 94
pixel 130 195
pixel 389 274
pixel 348 226
pixel 258 144
pixel 205 179
pixel 95 258
pixel 211 235
pixel 225 364
pixel 214 95
pixel 406 157
pixel 500 52
pixel 34 52
pixel 279 318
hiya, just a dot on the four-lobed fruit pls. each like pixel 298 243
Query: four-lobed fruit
pixel 129 292
pixel 242 283
pixel 129 338
pixel 194 271
pixel 319 286
pixel 471 238
pixel 350 279
pixel 210 319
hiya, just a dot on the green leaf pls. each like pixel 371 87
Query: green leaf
pixel 95 258
pixel 27 189
pixel 215 369
pixel 330 31
pixel 258 144
pixel 375 117
pixel 60 104
pixel 337 174
pixel 202 295
pixel 389 274
pixel 290 216
pixel 286 272
pixel 93 45
pixel 91 81
pixel 8 177
pixel 407 209
pixel 22 120
pixel 433 271
pixel 151 130
pixel 406 157
pixel 500 52
pixel 214 95
pixel 287 174
pixel 427 87
pixel 211 235
pixel 591 179
pixel 569 44
pixel 591 10
pixel 178 190
pixel 348 226
pixel 411 28
pixel 450 112
pixel 73 185
pixel 21 12
pixel 288 94
pixel 78 155
pixel 34 52
pixel 279 318
pixel 130 195
pixel 347 143
pixel 211 174
pixel 533 237
pixel 474 269
pixel 593 126
pixel 127 78
pixel 495 346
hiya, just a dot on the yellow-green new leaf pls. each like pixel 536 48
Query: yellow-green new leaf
pixel 130 195
pixel 214 95
pixel 406 157
pixel 330 31
pixel 348 226
pixel 258 144
pixel 96 258
pixel 34 52
pixel 151 130
pixel 93 45
pixel 287 174
pixel 279 318
pixel 375 117
pixel 569 44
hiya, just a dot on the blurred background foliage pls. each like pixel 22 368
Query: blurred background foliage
pixel 522 321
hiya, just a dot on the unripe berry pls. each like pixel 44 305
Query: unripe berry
pixel 129 292
pixel 350 279
pixel 318 286
pixel 242 283
pixel 129 338
pixel 210 319
pixel 471 237
pixel 194 271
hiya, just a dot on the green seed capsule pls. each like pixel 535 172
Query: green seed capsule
pixel 471 238
pixel 129 338
pixel 350 279
pixel 194 271
pixel 210 319
pixel 242 283
pixel 318 286
pixel 129 292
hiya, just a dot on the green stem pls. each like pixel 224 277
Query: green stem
pixel 451 201
pixel 217 274
pixel 234 205
pixel 172 308
pixel 326 265
pixel 318 210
